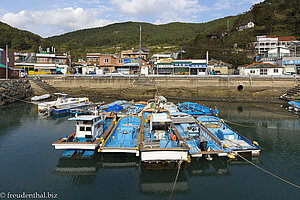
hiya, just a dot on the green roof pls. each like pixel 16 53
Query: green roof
pixel 2 65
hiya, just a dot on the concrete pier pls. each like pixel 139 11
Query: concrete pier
pixel 222 88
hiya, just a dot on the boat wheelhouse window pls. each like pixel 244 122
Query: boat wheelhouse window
pixel 81 128
pixel 88 128
pixel 87 122
pixel 160 126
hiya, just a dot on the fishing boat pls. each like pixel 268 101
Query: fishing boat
pixel 89 109
pixel 134 109
pixel 90 131
pixel 42 97
pixel 159 141
pixel 294 105
pixel 230 139
pixel 170 107
pixel 66 109
pixel 200 141
pixel 112 106
pixel 124 137
pixel 196 109
pixel 61 101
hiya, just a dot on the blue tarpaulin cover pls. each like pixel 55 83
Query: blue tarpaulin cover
pixel 116 108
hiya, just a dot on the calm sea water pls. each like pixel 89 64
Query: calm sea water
pixel 29 163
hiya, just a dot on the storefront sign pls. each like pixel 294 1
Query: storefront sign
pixel 292 62
pixel 131 62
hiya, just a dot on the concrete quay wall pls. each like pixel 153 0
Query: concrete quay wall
pixel 236 89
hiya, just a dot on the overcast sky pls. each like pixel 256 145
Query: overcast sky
pixel 53 17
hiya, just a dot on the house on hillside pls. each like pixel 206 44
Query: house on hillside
pixel 261 69
pixel 266 42
pixel 245 26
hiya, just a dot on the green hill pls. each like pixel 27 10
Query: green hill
pixel 277 17
pixel 18 40
pixel 271 17
pixel 126 35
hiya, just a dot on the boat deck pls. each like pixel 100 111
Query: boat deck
pixel 124 137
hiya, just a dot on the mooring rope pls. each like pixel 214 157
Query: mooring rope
pixel 266 171
pixel 174 184
pixel 19 99
pixel 239 124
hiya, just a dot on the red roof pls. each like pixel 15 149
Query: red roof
pixel 288 38
pixel 263 65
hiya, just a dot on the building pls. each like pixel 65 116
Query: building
pixel 110 62
pixel 181 67
pixel 42 63
pixel 267 42
pixel 131 66
pixel 135 53
pixel 218 67
pixel 245 26
pixel 262 69
pixel 106 62
pixel 11 58
pixel 291 65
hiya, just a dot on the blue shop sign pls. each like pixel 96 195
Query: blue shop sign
pixel 292 62
pixel 199 66
pixel 131 62
pixel 181 65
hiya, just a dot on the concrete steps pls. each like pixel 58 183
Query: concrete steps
pixel 292 94
pixel 44 86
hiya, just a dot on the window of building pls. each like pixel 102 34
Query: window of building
pixel 252 71
pixel 120 61
pixel 275 70
pixel 81 128
pixel 106 60
pixel 42 59
pixel 263 71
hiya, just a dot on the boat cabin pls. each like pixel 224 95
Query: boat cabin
pixel 160 123
pixel 87 126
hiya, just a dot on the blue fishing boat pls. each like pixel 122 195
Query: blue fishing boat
pixel 159 141
pixel 133 109
pixel 294 105
pixel 65 109
pixel 89 109
pixel 90 131
pixel 115 106
pixel 124 137
pixel 230 139
pixel 200 141
pixel 196 109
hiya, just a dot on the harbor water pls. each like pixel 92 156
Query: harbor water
pixel 30 164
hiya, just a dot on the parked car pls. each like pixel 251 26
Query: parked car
pixel 217 73
pixel 115 73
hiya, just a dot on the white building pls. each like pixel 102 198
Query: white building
pixel 267 42
pixel 245 26
pixel 262 69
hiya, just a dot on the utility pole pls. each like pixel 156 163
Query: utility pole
pixel 140 54
pixel 6 62
pixel 228 25
pixel 181 52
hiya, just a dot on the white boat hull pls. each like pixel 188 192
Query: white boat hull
pixel 75 146
pixel 163 155
pixel 118 150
